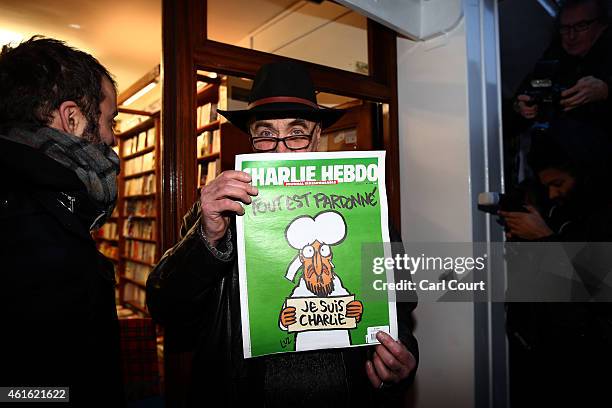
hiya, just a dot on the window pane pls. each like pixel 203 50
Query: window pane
pixel 325 33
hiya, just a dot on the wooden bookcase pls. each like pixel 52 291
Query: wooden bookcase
pixel 131 237
pixel 355 130
pixel 225 140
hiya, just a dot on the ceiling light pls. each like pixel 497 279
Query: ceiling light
pixel 75 26
pixel 139 94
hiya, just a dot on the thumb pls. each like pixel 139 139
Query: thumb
pixel 583 80
pixel 531 209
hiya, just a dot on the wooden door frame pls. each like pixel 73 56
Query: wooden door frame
pixel 186 49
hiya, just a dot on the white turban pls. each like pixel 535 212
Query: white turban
pixel 327 227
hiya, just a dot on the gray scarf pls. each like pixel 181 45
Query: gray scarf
pixel 96 165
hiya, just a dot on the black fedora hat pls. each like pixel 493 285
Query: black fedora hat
pixel 282 90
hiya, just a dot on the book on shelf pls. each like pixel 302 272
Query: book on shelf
pixel 134 294
pixel 213 112
pixel 222 104
pixel 141 251
pixel 204 114
pixel 140 185
pixel 136 271
pixel 213 170
pixel 139 142
pixel 151 137
pixel 216 141
pixel 201 173
pixel 108 250
pixel 141 229
pixel 109 231
pixel 204 144
pixel 142 208
pixel 148 161
pixel 149 184
pixel 127 147
pixel 139 164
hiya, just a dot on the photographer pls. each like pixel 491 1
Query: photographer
pixel 558 350
pixel 570 161
pixel 584 72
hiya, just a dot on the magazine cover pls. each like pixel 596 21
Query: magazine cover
pixel 299 251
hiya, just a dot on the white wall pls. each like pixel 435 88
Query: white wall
pixel 326 34
pixel 436 203
pixel 416 19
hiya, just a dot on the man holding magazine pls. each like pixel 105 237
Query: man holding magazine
pixel 194 290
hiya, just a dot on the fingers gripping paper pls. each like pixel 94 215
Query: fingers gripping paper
pixel 299 245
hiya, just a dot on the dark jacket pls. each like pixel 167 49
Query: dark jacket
pixel 597 63
pixel 57 297
pixel 196 297
pixel 558 350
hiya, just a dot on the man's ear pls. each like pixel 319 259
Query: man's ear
pixel 70 119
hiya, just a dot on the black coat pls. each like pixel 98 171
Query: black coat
pixel 196 297
pixel 559 350
pixel 597 63
pixel 57 300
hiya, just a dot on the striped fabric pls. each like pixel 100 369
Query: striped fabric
pixel 95 164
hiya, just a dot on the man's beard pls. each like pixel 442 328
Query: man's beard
pixel 91 136
pixel 320 289
pixel 91 133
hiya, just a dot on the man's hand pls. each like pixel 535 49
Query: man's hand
pixel 220 198
pixel 523 108
pixel 391 363
pixel 287 316
pixel 528 225
pixel 587 89
pixel 354 309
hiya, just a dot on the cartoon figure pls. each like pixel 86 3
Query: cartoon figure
pixel 313 238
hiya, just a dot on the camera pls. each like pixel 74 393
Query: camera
pixel 545 90
pixel 492 202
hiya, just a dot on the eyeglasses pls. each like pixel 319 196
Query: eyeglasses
pixel 579 27
pixel 291 142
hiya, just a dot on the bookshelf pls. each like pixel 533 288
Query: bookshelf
pixel 130 238
pixel 355 130
pixel 139 210
pixel 218 141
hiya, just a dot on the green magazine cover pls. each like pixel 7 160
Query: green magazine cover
pixel 299 251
